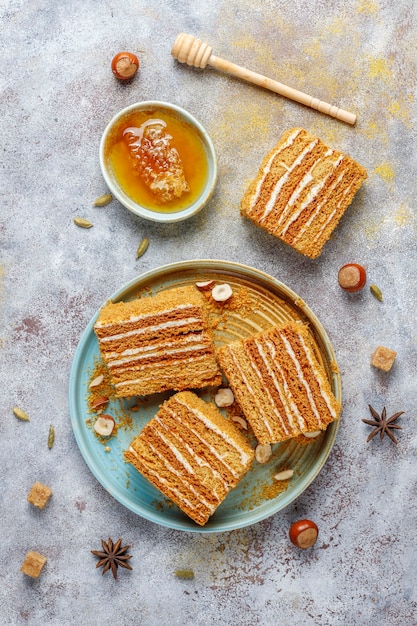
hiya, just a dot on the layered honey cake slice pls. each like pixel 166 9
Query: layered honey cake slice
pixel 279 383
pixel 302 190
pixel 192 454
pixel 158 343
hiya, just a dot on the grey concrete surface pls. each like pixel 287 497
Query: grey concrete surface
pixel 57 93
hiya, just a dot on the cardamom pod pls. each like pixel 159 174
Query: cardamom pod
pixel 184 573
pixel 143 246
pixel 103 200
pixel 82 222
pixel 376 292
pixel 20 414
pixel 51 436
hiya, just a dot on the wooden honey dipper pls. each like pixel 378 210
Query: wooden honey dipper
pixel 194 52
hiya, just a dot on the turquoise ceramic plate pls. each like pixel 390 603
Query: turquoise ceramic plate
pixel 255 497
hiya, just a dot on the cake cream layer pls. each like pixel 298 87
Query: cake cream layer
pixel 192 454
pixel 158 343
pixel 302 190
pixel 279 383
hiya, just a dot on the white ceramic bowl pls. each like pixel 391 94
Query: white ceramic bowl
pixel 119 192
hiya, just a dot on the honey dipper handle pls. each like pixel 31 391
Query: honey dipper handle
pixel 283 90
pixel 188 49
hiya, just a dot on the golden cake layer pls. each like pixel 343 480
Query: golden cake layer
pixel 302 190
pixel 158 343
pixel 279 383
pixel 192 454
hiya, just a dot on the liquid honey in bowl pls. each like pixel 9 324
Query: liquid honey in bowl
pixel 158 159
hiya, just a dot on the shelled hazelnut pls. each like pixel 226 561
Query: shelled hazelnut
pixel 104 425
pixel 352 277
pixel 125 65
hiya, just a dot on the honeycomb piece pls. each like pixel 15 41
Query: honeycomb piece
pixel 156 161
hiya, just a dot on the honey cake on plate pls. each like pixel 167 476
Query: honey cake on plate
pixel 279 383
pixel 192 454
pixel 158 343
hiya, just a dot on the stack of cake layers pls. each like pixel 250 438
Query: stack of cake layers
pixel 302 190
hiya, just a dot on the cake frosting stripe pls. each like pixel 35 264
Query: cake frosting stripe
pixel 192 454
pixel 279 382
pixel 282 180
pixel 302 190
pixel 158 343
pixel 266 167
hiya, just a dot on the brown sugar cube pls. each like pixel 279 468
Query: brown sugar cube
pixel 39 495
pixel 33 564
pixel 383 358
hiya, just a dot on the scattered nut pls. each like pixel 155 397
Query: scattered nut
pixel 104 425
pixel 240 420
pixel 221 293
pixel 97 381
pixel 100 403
pixel 352 277
pixel 304 533
pixel 125 65
pixel 284 475
pixel 224 397
pixel 263 452
pixel 313 434
pixel 205 284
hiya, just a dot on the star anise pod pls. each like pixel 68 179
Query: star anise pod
pixel 382 424
pixel 113 555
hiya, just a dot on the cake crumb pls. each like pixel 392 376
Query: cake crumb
pixel 39 495
pixel 33 564
pixel 383 358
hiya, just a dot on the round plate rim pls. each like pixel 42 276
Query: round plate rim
pixel 200 265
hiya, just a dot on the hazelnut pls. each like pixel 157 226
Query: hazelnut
pixel 352 277
pixel 240 420
pixel 97 381
pixel 125 65
pixel 313 434
pixel 100 402
pixel 224 397
pixel 204 284
pixel 284 475
pixel 263 452
pixel 304 533
pixel 104 425
pixel 221 293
